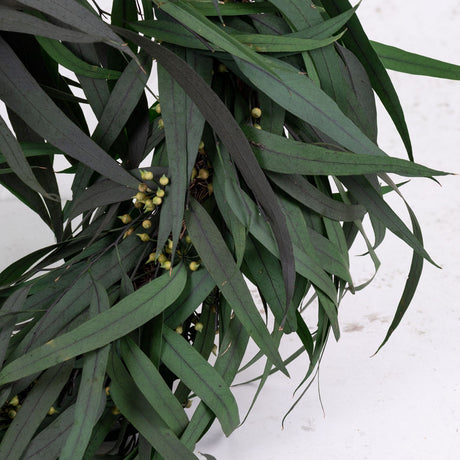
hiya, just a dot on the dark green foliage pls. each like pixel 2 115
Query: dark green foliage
pixel 118 338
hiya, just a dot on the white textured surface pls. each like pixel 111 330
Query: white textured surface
pixel 404 403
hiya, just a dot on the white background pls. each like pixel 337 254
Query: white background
pixel 403 403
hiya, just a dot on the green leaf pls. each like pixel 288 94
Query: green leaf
pixel 186 14
pixel 14 271
pixel 225 126
pixel 403 61
pixel 266 275
pixel 306 193
pixel 15 158
pixel 305 264
pixel 76 15
pixel 142 415
pixel 91 395
pixel 356 41
pixel 34 409
pixel 198 286
pixel 16 21
pixel 232 9
pixel 299 95
pixel 228 361
pixel 11 307
pixel 32 104
pixel 219 262
pixel 102 193
pixel 63 56
pixel 182 359
pixel 183 126
pixel 150 382
pixel 361 189
pixel 122 101
pixel 413 278
pixel 67 292
pixel 314 249
pixel 100 432
pixel 33 149
pixel 282 44
pixel 125 316
pixel 48 443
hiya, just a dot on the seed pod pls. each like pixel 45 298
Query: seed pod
pixel 138 204
pixel 164 180
pixel 125 218
pixel 222 68
pixel 146 175
pixel 203 174
pixel 214 350
pixel 166 265
pixel 158 108
pixel 143 237
pixel 199 327
pixel 161 123
pixel 115 410
pixel 188 240
pixel 256 112
pixel 142 187
pixel 257 126
pixel 52 411
pixel 146 223
pixel 151 257
pixel 162 258
pixel 179 329
pixel 140 196
pixel 14 401
pixel 156 200
pixel 210 188
pixel 188 404
pixel 149 206
pixel 160 193
pixel 194 266
pixel 201 147
pixel 12 413
pixel 107 391
pixel 128 232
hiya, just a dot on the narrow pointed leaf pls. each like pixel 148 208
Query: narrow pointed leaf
pixel 221 266
pixel 142 415
pixel 11 307
pixel 198 286
pixel 181 358
pixel 122 101
pixel 125 316
pixel 150 382
pixel 356 40
pixel 32 104
pixel 403 61
pixel 91 395
pixel 375 205
pixel 17 21
pixel 300 96
pixel 15 158
pixel 306 193
pixel 33 411
pixel 227 363
pixel 102 193
pixel 76 15
pixel 49 442
pixel 228 130
pixel 63 56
